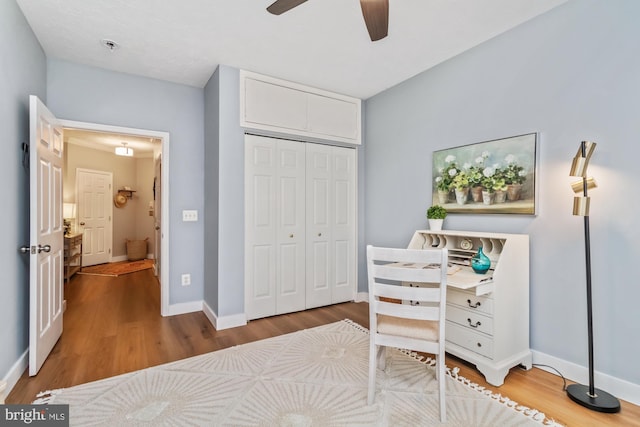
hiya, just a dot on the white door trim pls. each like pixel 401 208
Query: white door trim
pixel 164 248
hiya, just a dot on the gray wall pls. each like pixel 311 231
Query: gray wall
pixel 82 93
pixel 22 73
pixel 211 171
pixel 224 223
pixel 231 196
pixel 571 74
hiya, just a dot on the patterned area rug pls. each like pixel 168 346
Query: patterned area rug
pixel 313 377
pixel 115 269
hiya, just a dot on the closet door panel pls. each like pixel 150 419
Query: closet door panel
pixel 291 227
pixel 260 227
pixel 319 260
pixel 343 224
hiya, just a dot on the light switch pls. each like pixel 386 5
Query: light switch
pixel 189 215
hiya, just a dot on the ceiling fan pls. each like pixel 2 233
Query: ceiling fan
pixel 375 13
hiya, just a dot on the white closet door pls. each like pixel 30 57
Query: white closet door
pixel 319 271
pixel 331 229
pixel 291 227
pixel 343 286
pixel 274 226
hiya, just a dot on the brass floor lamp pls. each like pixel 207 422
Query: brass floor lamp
pixel 587 396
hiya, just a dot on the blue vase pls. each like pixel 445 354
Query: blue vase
pixel 480 262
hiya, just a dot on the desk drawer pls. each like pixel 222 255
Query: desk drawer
pixel 470 319
pixel 470 301
pixel 471 340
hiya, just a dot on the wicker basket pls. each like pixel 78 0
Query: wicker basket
pixel 137 249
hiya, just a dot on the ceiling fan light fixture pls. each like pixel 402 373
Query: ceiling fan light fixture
pixel 124 150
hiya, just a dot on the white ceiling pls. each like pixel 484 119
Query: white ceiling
pixel 321 43
pixel 141 146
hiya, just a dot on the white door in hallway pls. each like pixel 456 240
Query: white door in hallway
pixel 274 226
pixel 46 233
pixel 330 225
pixel 93 192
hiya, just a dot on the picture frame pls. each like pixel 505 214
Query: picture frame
pixel 489 177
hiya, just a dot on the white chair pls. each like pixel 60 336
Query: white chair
pixel 418 322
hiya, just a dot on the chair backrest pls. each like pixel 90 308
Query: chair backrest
pixel 388 268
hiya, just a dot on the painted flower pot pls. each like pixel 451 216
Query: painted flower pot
pixel 488 198
pixel 476 194
pixel 443 197
pixel 462 195
pixel 514 192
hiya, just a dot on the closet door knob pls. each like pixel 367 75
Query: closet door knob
pixel 291 236
pixel 319 234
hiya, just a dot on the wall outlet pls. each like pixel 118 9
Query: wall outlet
pixel 186 279
pixel 189 215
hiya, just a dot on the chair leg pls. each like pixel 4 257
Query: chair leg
pixel 442 381
pixel 382 357
pixel 372 373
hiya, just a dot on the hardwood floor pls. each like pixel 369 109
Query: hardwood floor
pixel 113 325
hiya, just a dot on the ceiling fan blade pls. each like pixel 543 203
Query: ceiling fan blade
pixel 281 6
pixel 376 16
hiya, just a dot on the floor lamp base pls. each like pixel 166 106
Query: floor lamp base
pixel 602 402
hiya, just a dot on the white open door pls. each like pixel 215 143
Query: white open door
pixel 46 233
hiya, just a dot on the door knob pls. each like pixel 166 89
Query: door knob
pixel 291 236
pixel 25 249
pixel 45 248
pixel 82 223
pixel 157 227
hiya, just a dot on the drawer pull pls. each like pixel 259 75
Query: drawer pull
pixel 479 345
pixel 476 305
pixel 474 325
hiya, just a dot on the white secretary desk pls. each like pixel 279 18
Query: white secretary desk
pixel 487 314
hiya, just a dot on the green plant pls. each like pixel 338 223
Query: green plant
pixel 436 212
pixel 450 170
pixel 460 181
pixel 475 176
pixel 475 172
pixel 489 179
pixel 513 173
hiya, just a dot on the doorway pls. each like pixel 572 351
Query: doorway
pixel 156 144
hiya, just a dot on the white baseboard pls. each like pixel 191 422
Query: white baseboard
pixel 184 307
pixel 618 387
pixel 224 322
pixel 362 297
pixel 14 374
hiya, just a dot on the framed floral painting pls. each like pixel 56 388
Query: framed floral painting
pixel 491 177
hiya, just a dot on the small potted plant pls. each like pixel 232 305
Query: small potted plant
pixel 436 215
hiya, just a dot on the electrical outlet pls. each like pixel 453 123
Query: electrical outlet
pixel 186 279
pixel 189 215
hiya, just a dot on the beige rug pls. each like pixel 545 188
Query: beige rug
pixel 314 377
